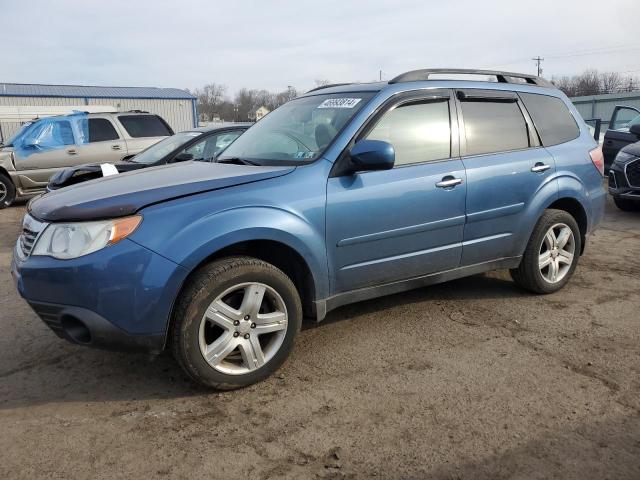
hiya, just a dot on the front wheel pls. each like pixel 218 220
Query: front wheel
pixel 7 191
pixel 551 255
pixel 235 322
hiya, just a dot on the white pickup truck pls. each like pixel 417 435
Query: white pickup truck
pixel 44 146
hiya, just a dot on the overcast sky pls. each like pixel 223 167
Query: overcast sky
pixel 272 44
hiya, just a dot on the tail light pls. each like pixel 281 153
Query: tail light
pixel 598 159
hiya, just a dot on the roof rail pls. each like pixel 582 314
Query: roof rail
pixel 328 86
pixel 503 77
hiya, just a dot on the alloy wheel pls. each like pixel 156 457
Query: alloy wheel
pixel 3 191
pixel 556 253
pixel 243 328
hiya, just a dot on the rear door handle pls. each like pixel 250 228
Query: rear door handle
pixel 451 182
pixel 540 167
pixel 71 151
pixel 115 147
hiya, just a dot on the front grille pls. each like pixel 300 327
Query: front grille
pixel 632 172
pixel 31 229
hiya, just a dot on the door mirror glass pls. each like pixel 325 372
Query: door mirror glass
pixel 371 155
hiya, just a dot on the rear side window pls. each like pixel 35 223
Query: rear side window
pixel 144 126
pixel 101 130
pixel 418 131
pixel 494 126
pixel 551 117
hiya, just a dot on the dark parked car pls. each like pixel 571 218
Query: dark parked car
pixel 198 144
pixel 618 135
pixel 624 175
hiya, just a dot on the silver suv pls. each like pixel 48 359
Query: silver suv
pixel 44 146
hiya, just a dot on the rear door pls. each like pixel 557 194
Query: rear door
pixel 617 135
pixel 384 226
pixel 505 165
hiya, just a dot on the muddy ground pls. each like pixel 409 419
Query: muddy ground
pixel 472 379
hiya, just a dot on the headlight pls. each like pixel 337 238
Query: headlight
pixel 72 240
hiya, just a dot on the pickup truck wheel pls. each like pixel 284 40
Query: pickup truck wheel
pixel 235 322
pixel 7 191
pixel 626 205
pixel 551 255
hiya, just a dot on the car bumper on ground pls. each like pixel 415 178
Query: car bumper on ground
pixel 117 298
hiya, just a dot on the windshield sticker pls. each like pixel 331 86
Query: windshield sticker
pixel 303 155
pixel 339 103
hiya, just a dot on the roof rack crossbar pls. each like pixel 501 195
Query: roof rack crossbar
pixel 502 77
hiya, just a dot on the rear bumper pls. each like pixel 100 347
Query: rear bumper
pixel 119 297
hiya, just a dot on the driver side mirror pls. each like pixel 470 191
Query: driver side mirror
pixel 182 157
pixel 635 129
pixel 369 155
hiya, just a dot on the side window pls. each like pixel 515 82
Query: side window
pixel 144 126
pixel 211 146
pixel 418 131
pixel 493 126
pixel 101 130
pixel 551 117
pixel 51 134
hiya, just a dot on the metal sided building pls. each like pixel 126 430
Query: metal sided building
pixel 601 106
pixel 20 103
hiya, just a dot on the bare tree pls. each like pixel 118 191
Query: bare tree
pixel 592 82
pixel 610 82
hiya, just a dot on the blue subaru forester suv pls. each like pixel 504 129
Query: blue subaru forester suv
pixel 346 193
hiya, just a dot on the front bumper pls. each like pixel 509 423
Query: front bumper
pixel 619 184
pixel 118 298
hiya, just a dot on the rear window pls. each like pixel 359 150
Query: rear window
pixel 551 117
pixel 145 126
pixel 494 126
pixel 101 130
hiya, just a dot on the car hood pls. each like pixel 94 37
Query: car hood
pixel 82 173
pixel 632 149
pixel 126 193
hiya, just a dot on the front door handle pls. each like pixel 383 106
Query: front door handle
pixel 449 183
pixel 71 151
pixel 540 167
pixel 115 147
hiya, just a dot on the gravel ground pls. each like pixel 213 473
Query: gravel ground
pixel 471 379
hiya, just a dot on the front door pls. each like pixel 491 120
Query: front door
pixel 385 226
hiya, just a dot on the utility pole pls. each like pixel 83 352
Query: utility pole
pixel 538 61
pixel 380 75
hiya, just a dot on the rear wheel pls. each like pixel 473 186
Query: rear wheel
pixel 551 255
pixel 7 191
pixel 235 322
pixel 626 205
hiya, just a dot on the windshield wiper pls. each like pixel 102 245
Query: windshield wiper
pixel 238 160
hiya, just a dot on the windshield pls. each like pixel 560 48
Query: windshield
pixel 158 151
pixel 18 134
pixel 298 131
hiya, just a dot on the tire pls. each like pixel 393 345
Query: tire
pixel 272 322
pixel 530 274
pixel 7 191
pixel 626 205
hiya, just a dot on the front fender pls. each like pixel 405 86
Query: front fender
pixel 198 240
